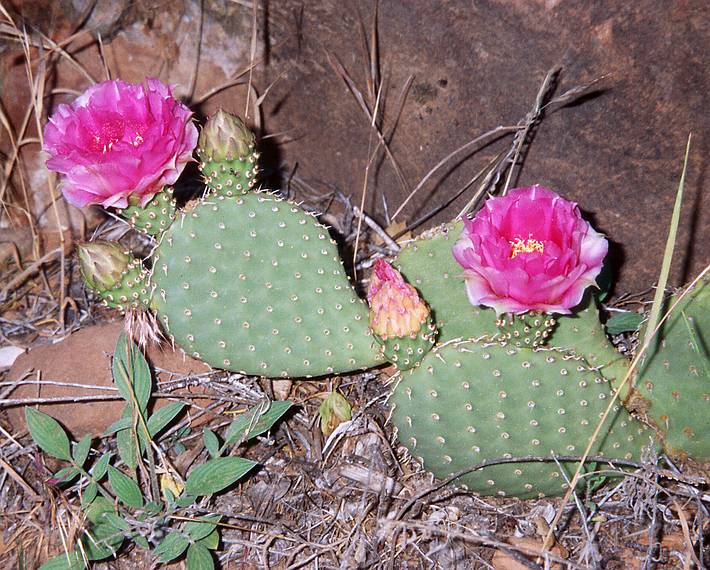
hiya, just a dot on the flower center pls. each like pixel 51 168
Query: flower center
pixel 113 131
pixel 530 245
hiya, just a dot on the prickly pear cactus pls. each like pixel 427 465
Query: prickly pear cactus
pixel 429 265
pixel 254 284
pixel 673 382
pixel 227 153
pixel 471 401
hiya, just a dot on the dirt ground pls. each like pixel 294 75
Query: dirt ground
pixel 603 97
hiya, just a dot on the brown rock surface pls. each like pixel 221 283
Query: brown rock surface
pixel 476 65
pixel 85 358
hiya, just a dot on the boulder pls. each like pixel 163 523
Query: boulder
pixel 84 358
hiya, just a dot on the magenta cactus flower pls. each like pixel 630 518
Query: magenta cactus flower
pixel 529 251
pixel 119 141
pixel 396 310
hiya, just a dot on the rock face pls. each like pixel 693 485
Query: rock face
pixel 475 65
pixel 84 358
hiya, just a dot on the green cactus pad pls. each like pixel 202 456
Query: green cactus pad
pixel 407 352
pixel 583 333
pixel 131 291
pixel 254 284
pixel 157 215
pixel 230 177
pixel 468 402
pixel 674 377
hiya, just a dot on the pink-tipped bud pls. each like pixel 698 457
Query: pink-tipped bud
pixel 102 263
pixel 396 310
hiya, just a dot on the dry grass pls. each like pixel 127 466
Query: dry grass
pixel 354 500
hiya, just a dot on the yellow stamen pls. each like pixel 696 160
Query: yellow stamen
pixel 530 245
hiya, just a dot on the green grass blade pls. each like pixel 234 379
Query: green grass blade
pixel 657 306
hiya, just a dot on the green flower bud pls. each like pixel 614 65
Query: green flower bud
pixel 334 410
pixel 225 137
pixel 103 264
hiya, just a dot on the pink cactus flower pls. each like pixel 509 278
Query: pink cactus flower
pixel 396 309
pixel 119 140
pixel 529 251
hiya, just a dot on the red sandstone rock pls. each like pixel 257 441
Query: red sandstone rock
pixel 85 358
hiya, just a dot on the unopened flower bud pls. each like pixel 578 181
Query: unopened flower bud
pixel 396 310
pixel 102 263
pixel 225 137
pixel 334 410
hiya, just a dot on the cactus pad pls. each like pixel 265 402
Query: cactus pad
pixel 254 284
pixel 155 217
pixel 468 402
pixel 674 378
pixel 406 352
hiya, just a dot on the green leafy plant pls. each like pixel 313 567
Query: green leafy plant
pixel 122 495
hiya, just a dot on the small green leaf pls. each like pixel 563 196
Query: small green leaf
pixel 119 424
pixel 99 469
pixel 199 529
pixel 117 522
pixel 179 448
pixel 48 434
pixel 126 442
pixel 131 373
pixel 171 547
pixel 65 475
pixel 163 417
pixel 186 500
pixel 211 541
pixel 256 421
pixel 625 321
pixel 65 561
pixel 96 510
pixel 605 280
pixel 101 541
pixel 81 450
pixel 199 558
pixel 89 494
pixel 141 541
pixel 216 474
pixel 211 442
pixel 125 488
pixel 153 508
